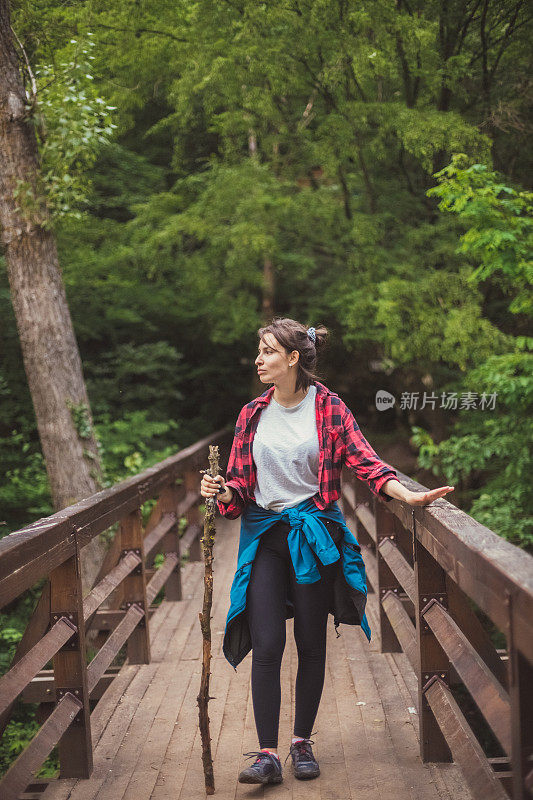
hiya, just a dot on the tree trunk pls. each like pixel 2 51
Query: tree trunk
pixel 49 348
pixel 268 290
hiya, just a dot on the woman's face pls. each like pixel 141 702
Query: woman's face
pixel 272 362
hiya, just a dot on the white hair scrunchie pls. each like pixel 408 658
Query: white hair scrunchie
pixel 311 332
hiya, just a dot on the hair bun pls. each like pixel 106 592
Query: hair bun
pixel 321 334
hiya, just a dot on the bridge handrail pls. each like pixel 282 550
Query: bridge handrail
pixel 53 548
pixel 426 564
pixel 30 553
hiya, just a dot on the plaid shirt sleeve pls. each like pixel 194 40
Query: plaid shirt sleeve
pixel 362 459
pixel 234 477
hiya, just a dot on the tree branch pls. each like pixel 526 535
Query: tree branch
pixel 137 31
pixel 33 82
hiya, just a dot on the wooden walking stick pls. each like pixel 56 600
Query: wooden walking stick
pixel 203 698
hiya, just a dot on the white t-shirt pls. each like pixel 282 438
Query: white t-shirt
pixel 285 450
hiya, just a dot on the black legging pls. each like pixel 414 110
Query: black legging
pixel 271 578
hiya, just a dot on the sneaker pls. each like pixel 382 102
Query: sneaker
pixel 304 763
pixel 265 769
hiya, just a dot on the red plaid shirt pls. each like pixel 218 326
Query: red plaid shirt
pixel 340 442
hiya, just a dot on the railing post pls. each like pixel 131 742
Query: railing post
pixel 134 587
pixel 360 533
pixel 192 483
pixel 432 660
pixel 169 500
pixel 521 696
pixel 70 667
pixel 387 581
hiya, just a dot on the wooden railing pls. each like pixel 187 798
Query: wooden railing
pixel 430 567
pixel 427 565
pixel 52 548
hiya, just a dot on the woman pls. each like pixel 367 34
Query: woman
pixel 297 558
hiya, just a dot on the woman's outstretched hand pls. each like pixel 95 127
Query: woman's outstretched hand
pixel 423 498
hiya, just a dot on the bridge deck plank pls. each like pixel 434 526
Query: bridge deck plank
pixel 145 728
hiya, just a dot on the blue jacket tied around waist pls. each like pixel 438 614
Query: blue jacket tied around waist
pixel 308 535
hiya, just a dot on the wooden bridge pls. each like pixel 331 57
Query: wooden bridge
pixel 394 718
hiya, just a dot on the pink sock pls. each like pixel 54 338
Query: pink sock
pixel 267 750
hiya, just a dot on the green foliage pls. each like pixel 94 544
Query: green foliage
pixel 131 444
pixel 25 491
pixel 81 418
pixel 130 376
pixel 23 725
pixel 500 226
pixel 491 449
pixel 72 122
pixel 15 739
pixel 425 132
pixel 455 332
